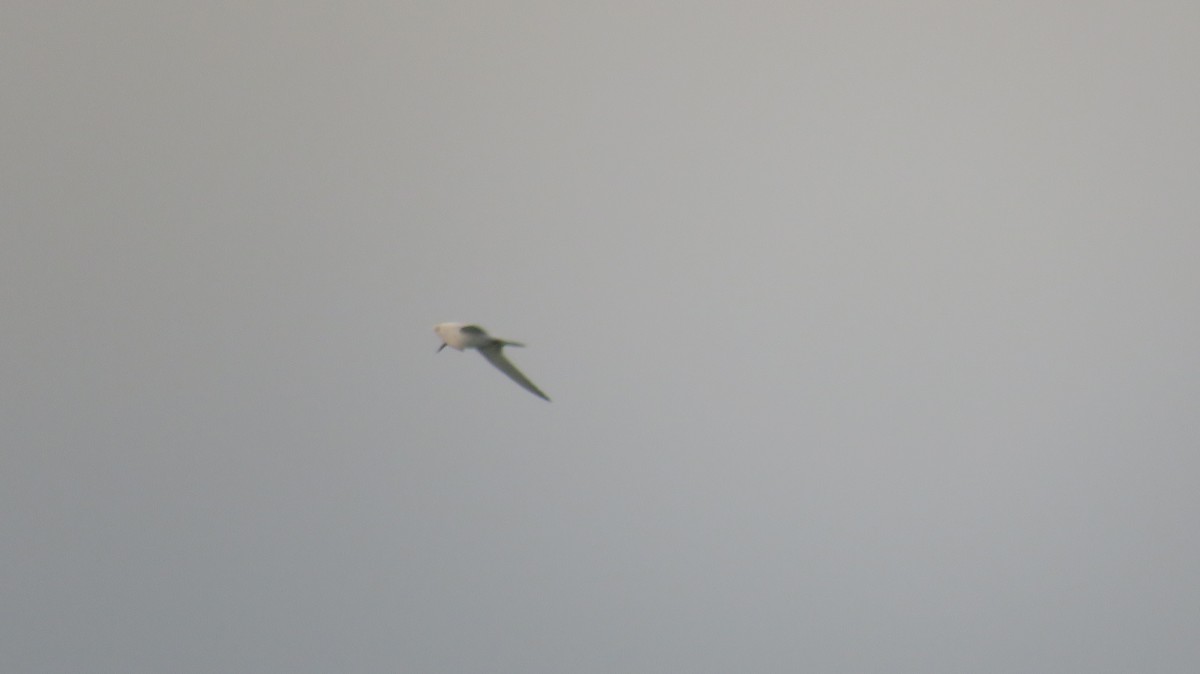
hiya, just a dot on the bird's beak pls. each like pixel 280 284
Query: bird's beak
pixel 440 348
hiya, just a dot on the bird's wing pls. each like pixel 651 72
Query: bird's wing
pixel 494 356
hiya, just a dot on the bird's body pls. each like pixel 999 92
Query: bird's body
pixel 462 336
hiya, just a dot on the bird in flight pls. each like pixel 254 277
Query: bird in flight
pixel 462 336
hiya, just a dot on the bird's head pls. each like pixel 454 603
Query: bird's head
pixel 448 332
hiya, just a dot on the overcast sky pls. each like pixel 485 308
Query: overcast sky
pixel 872 329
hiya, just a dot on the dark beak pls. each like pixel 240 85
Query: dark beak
pixel 440 348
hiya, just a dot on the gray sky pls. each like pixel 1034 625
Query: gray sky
pixel 871 329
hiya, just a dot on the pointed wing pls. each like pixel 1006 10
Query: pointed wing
pixel 494 356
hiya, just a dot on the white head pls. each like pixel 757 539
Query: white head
pixel 451 335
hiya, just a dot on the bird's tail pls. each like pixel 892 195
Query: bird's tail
pixel 505 342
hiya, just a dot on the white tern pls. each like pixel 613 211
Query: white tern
pixel 462 336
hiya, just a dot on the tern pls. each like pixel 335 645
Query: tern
pixel 462 336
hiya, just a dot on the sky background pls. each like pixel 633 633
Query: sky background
pixel 872 331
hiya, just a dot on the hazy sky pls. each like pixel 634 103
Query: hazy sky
pixel 872 329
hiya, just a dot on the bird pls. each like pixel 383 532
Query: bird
pixel 463 336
